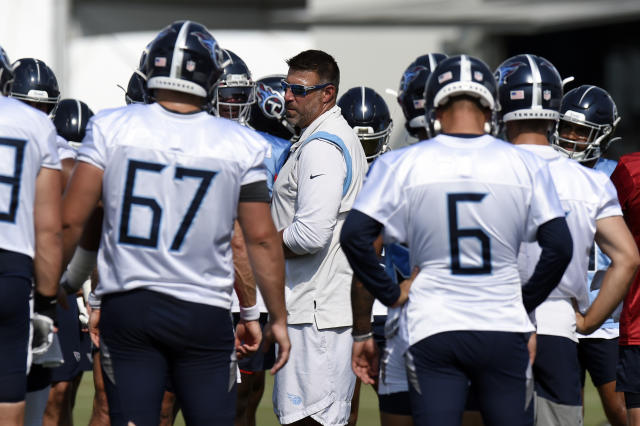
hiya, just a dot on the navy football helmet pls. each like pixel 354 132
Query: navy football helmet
pixel 35 82
pixel 411 91
pixel 268 111
pixel 234 93
pixel 529 88
pixel 6 72
pixel 184 57
pixel 367 113
pixel 71 120
pixel 588 119
pixel 460 76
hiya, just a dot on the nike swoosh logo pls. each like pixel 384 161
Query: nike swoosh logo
pixel 315 176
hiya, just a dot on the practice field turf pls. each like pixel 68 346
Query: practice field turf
pixel 367 416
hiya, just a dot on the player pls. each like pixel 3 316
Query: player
pixel 311 197
pixel 35 84
pixel 627 181
pixel 31 248
pixel 391 384
pixel 368 115
pixel 234 93
pixel 465 320
pixel 589 117
pixel 70 121
pixel 411 94
pixel 530 93
pixel 165 244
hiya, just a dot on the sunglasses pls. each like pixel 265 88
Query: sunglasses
pixel 300 89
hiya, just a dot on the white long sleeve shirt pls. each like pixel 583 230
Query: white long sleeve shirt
pixel 315 190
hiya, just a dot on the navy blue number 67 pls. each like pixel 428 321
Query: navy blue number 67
pixel 455 234
pixel 130 200
pixel 13 180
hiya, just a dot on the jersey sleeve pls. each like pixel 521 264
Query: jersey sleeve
pixel 609 205
pixel 50 158
pixel 93 148
pixel 382 199
pixel 545 204
pixel 65 151
pixel 256 170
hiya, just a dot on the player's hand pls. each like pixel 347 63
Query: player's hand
pixel 94 331
pixel 532 347
pixel 277 332
pixel 248 338
pixel 405 286
pixel 365 359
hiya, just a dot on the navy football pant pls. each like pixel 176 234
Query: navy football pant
pixel 494 363
pixel 16 271
pixel 148 337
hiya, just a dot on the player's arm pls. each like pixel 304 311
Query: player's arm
pixel 555 241
pixel 321 174
pixel 248 331
pixel 245 283
pixel 48 233
pixel 615 240
pixel 80 200
pixel 85 256
pixel 364 354
pixel 359 232
pixel 265 254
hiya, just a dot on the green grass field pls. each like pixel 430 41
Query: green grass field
pixel 367 415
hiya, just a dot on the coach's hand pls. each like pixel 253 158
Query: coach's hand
pixel 248 338
pixel 364 360
pixel 405 286
pixel 277 332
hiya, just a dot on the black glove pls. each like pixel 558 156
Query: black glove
pixel 45 305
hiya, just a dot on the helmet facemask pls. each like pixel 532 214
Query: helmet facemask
pixel 591 139
pixel 233 97
pixel 373 143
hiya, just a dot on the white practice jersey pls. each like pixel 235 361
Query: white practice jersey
pixel 27 143
pixel 463 206
pixel 586 196
pixel 170 193
pixel 65 150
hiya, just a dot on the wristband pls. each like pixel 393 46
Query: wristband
pixel 250 313
pixel 94 301
pixel 362 337
pixel 80 268
pixel 45 305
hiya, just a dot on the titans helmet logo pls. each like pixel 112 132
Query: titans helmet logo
pixel 504 72
pixel 270 101
pixel 410 75
pixel 212 47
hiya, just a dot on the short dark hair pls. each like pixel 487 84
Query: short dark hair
pixel 318 61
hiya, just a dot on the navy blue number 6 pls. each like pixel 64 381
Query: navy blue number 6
pixel 456 233
pixel 130 200
pixel 13 180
